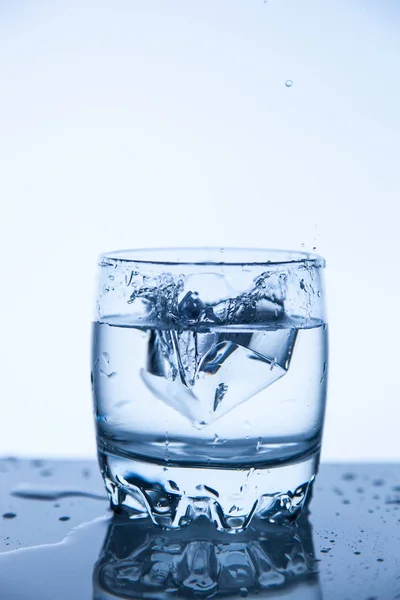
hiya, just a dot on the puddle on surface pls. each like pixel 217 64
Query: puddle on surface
pixel 52 493
pixel 54 571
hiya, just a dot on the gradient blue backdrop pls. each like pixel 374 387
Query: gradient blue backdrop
pixel 167 122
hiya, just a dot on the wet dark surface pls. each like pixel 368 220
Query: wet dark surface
pixel 58 540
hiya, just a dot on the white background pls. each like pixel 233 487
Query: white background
pixel 167 122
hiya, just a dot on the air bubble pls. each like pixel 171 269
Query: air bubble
pixel 9 515
pixel 289 84
pixel 64 518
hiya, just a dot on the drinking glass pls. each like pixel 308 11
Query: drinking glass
pixel 209 376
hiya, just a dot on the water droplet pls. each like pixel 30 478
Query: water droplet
pixel 357 553
pixel 222 250
pixel 244 591
pixel 378 482
pixel 9 515
pixel 289 84
pixel 46 473
pixel 380 560
pixel 111 277
pixel 64 518
pixel 325 550
pixel 216 438
pixel 303 245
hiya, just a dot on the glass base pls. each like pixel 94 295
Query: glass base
pixel 175 495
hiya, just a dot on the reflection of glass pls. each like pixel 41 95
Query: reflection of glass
pixel 141 561
pixel 209 382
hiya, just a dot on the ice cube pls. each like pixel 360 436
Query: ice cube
pixel 173 354
pixel 274 345
pixel 191 308
pixel 174 393
pixel 229 369
pixel 203 374
pixel 228 375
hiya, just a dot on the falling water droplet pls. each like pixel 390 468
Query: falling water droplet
pixel 288 83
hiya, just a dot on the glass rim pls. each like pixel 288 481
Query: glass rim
pixel 224 257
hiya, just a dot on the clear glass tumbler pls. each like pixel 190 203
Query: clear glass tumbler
pixel 209 374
